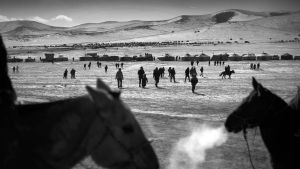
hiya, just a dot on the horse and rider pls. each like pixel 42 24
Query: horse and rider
pixel 227 72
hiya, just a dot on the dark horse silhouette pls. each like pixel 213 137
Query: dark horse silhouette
pixel 58 135
pixel 224 73
pixel 278 123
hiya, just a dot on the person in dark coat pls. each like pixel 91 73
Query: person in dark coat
pixel 173 75
pixel 201 70
pixel 187 74
pixel 106 67
pixel 193 71
pixel 84 66
pixel 119 77
pixel 258 66
pixel 65 74
pixel 141 72
pixel 144 81
pixel 90 65
pixel 169 71
pixel 194 82
pixel 73 71
pixel 156 76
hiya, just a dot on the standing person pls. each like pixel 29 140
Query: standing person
pixel 187 74
pixel 66 74
pixel 73 59
pixel 17 68
pixel 106 68
pixel 201 70
pixel 209 63
pixel 90 65
pixel 251 65
pixel 156 76
pixel 169 71
pixel 84 66
pixel 193 71
pixel 173 74
pixel 197 62
pixel 144 80
pixel 14 69
pixel 192 63
pixel 100 64
pixel 141 72
pixel 258 65
pixel 119 77
pixel 194 82
pixel 73 71
pixel 122 64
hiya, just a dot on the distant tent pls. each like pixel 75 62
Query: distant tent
pixel 235 57
pixel 297 58
pixel 220 57
pixel 249 56
pixel 203 57
pixel 30 59
pixel 188 57
pixel 264 57
pixel 286 56
pixel 167 57
pixel 126 58
pixel 275 57
pixel 14 59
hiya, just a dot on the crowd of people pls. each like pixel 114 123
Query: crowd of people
pixel 158 73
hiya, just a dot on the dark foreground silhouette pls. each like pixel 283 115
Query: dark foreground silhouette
pixel 278 122
pixel 60 134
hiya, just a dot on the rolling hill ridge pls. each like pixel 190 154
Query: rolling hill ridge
pixel 232 23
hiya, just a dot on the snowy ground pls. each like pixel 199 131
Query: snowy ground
pixel 168 113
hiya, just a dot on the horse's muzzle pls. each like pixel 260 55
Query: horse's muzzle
pixel 145 157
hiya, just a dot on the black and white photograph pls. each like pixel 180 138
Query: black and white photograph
pixel 140 84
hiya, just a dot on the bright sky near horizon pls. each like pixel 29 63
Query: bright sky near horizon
pixel 75 12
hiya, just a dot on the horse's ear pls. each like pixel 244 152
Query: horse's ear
pixel 99 97
pixel 257 86
pixel 254 83
pixel 102 85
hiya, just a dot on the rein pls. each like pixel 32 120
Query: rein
pixel 248 147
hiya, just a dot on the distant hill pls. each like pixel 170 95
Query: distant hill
pixel 223 25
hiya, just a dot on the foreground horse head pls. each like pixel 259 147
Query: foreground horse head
pixel 278 122
pixel 124 145
pixel 256 109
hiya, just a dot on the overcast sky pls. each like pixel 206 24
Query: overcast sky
pixel 74 12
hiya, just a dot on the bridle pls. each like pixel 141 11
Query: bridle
pixel 109 132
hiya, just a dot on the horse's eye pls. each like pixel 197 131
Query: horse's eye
pixel 127 129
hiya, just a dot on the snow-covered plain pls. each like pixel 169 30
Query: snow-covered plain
pixel 169 112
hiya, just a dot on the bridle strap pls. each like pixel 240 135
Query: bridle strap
pixel 248 147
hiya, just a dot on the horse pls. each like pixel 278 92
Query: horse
pixel 278 123
pixel 224 73
pixel 62 133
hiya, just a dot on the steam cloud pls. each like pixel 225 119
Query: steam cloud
pixel 190 151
